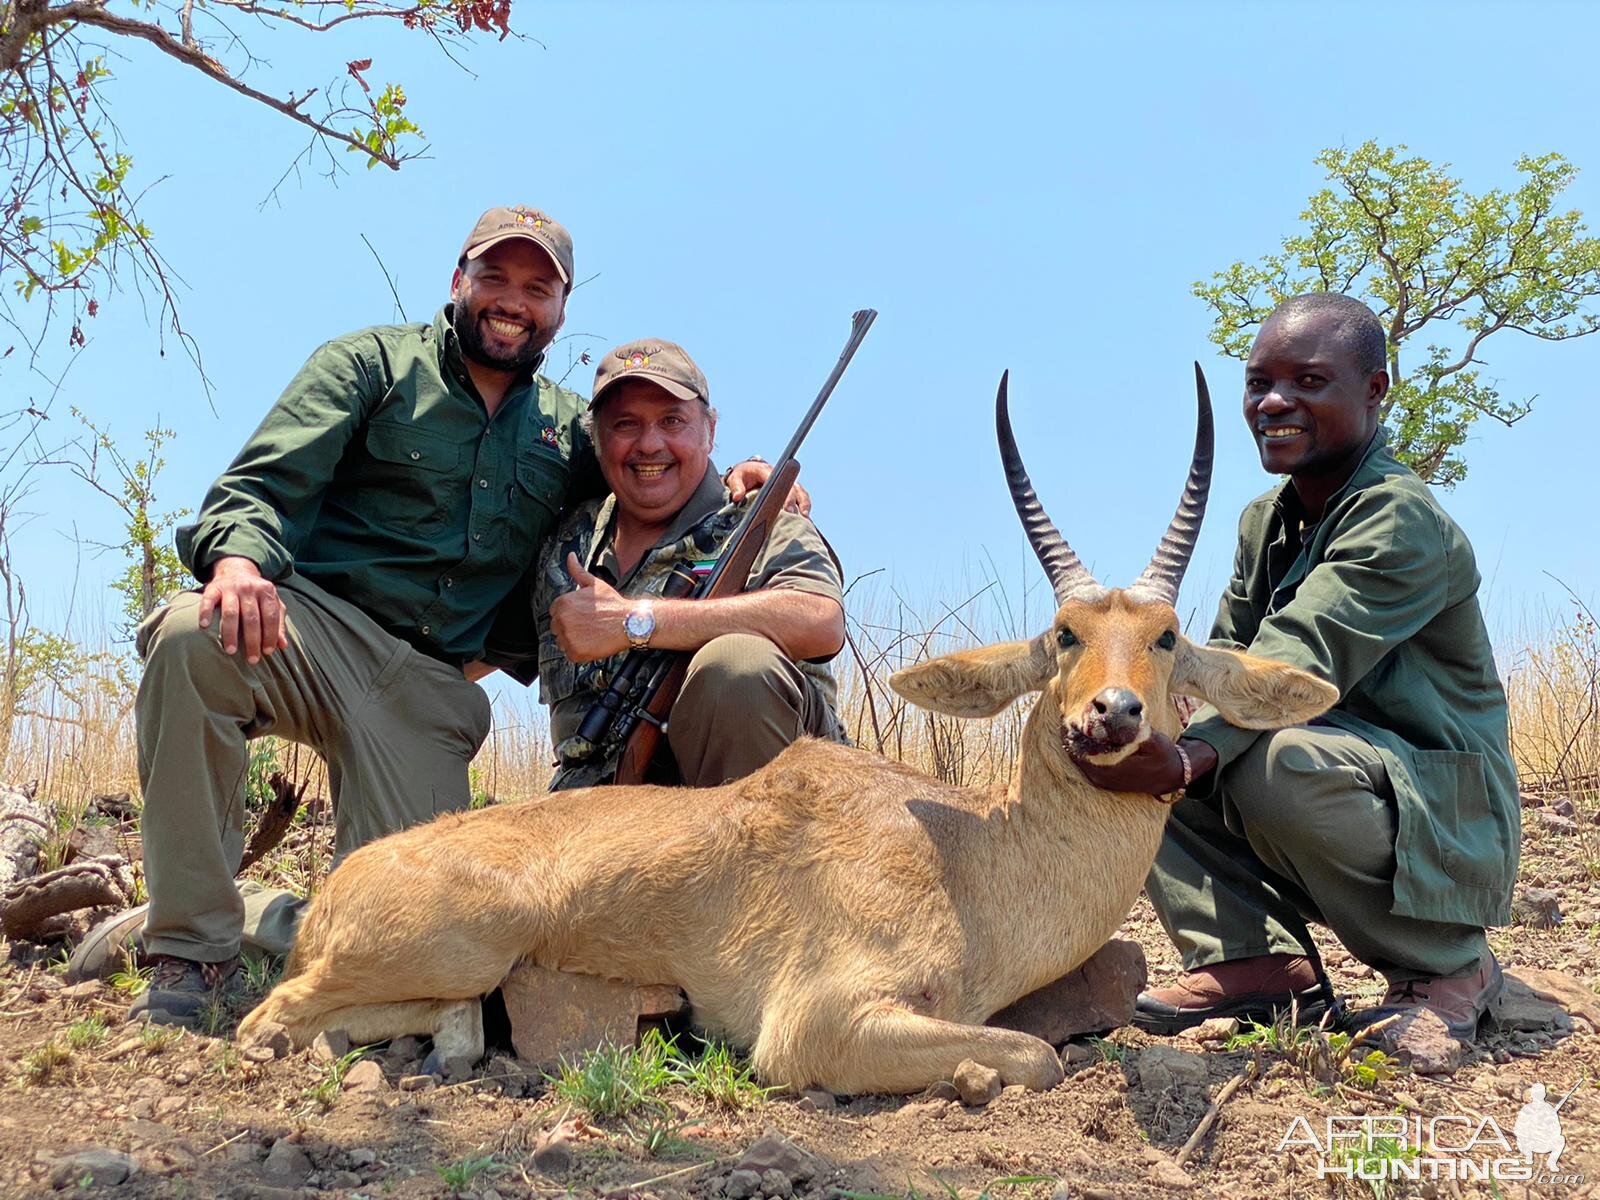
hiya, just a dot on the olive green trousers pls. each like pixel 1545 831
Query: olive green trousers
pixel 1300 828
pixel 395 727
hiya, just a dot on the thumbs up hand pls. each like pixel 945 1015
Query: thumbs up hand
pixel 587 622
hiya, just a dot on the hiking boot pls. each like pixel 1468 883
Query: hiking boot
pixel 1460 1001
pixel 1250 989
pixel 179 990
pixel 109 947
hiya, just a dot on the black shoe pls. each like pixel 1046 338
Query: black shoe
pixel 180 990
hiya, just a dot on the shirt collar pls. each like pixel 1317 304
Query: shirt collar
pixel 1288 503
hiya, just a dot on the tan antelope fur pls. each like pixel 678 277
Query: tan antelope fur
pixel 849 919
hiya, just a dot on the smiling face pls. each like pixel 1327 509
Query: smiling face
pixel 1310 406
pixel 653 448
pixel 509 303
pixel 1114 657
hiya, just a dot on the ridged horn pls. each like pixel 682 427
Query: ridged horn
pixel 1061 566
pixel 1171 560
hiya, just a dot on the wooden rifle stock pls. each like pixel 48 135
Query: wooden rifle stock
pixel 732 575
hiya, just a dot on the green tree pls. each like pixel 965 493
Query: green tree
pixel 1405 236
pixel 69 222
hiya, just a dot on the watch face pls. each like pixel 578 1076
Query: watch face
pixel 640 623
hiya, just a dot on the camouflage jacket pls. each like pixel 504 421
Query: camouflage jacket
pixel 796 556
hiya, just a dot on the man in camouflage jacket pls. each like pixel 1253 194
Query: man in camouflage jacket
pixel 758 678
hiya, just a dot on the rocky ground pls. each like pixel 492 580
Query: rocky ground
pixel 92 1104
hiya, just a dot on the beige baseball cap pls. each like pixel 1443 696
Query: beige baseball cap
pixel 501 224
pixel 665 364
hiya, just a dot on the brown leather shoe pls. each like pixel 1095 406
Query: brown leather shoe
pixel 1250 989
pixel 1461 1001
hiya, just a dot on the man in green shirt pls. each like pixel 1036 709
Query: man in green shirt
pixel 354 558
pixel 1394 819
pixel 757 677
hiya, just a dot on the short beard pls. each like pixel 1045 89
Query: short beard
pixel 465 323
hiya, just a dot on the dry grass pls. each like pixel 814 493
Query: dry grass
pixel 76 738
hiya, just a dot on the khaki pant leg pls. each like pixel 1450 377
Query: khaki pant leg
pixel 742 703
pixel 401 758
pixel 196 709
pixel 1317 808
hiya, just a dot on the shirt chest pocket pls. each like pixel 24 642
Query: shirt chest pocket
pixel 414 471
pixel 534 499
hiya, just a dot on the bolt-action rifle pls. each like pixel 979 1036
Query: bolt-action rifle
pixel 633 711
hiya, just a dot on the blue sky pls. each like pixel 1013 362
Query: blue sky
pixel 1023 186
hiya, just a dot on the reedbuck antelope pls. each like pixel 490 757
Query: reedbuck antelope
pixel 850 920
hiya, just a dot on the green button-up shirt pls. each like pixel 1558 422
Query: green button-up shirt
pixel 379 475
pixel 1380 597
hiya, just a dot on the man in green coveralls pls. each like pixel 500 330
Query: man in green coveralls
pixel 758 676
pixel 353 558
pixel 1393 820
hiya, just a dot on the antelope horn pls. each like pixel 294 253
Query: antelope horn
pixel 1171 560
pixel 1061 566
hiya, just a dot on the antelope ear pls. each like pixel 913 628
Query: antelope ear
pixel 1250 692
pixel 979 682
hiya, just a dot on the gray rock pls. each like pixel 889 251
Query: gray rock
pixel 344 1179
pixel 417 1083
pixel 1562 806
pixel 330 1045
pixel 976 1083
pixel 775 1185
pixel 1164 1068
pixel 818 1100
pixel 1537 908
pixel 1556 823
pixel 1095 998
pixel 553 1155
pixel 286 1165
pixel 365 1076
pixel 103 1167
pixel 774 1151
pixel 742 1184
pixel 1076 1054
pixel 362 1157
pixel 1520 1009
pixel 1422 1042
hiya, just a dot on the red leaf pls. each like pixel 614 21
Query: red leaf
pixel 355 68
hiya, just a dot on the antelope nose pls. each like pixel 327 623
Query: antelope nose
pixel 1120 711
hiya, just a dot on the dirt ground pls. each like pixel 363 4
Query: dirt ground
pixel 198 1119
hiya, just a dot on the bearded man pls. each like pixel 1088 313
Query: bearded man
pixel 353 561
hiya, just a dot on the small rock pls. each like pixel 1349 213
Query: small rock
pixel 1521 1010
pixel 773 1150
pixel 1076 1053
pixel 976 1083
pixel 1537 908
pixel 417 1083
pixel 552 1155
pixel 404 1049
pixel 459 1068
pixel 257 1054
pixel 330 1045
pixel 87 990
pixel 1062 1192
pixel 103 1167
pixel 1562 806
pixel 1565 826
pixel 1422 1041
pixel 741 1185
pixel 1530 799
pixel 344 1179
pixel 1170 1174
pixel 361 1157
pixel 819 1099
pixel 242 1153
pixel 365 1076
pixel 1163 1068
pixel 1217 1029
pixel 272 1037
pixel 775 1185
pixel 1510 1085
pixel 286 1164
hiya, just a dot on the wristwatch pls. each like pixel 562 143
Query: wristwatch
pixel 639 625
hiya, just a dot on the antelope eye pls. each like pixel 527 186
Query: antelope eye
pixel 1065 638
pixel 1167 640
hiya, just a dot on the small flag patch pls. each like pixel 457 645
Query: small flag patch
pixel 703 567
